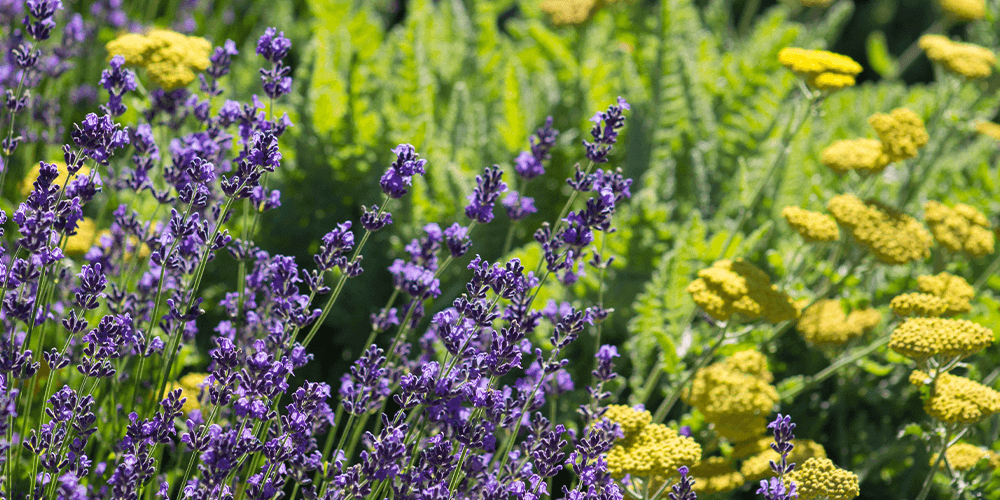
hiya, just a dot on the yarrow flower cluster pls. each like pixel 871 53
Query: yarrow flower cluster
pixel 814 227
pixel 960 229
pixel 826 324
pixel 964 59
pixel 821 69
pixel 735 395
pixel 171 60
pixel 819 478
pixel 901 133
pixel 892 236
pixel 647 450
pixel 739 287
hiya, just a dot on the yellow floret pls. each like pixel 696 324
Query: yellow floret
pixel 964 10
pixel 965 59
pixel 918 304
pixel 820 478
pixel 957 399
pixel 922 338
pixel 902 133
pixel 862 155
pixel 960 229
pixel 989 129
pixel 814 227
pixel 569 12
pixel 954 290
pixel 657 451
pixel 730 287
pixel 631 421
pixel 815 62
pixel 751 362
pixel 894 237
pixel 758 466
pixel 825 323
pixel 715 475
pixel 171 59
pixel 830 81
pixel 79 243
pixel 964 456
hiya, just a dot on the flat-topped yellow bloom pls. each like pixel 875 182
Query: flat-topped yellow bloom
pixel 569 12
pixel 758 466
pixel 953 289
pixel 923 338
pixel 190 386
pixel 735 395
pixel 821 69
pixel 715 475
pixel 957 399
pixel 825 323
pixel 901 132
pixel 631 421
pixel 965 456
pixel 963 10
pixel 818 478
pixel 965 59
pixel 892 236
pixel 989 129
pixel 864 156
pixel 918 304
pixel 730 287
pixel 657 451
pixel 814 227
pixel 960 229
pixel 79 243
pixel 170 58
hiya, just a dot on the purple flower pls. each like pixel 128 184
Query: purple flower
pixel 99 137
pixel 336 244
pixel 401 171
pixel 273 47
pixel 605 363
pixel 117 81
pixel 684 489
pixel 605 136
pixel 43 12
pixel 518 207
pixel 528 164
pixel 457 239
pixel 488 188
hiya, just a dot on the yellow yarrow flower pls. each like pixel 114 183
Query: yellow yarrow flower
pixel 79 243
pixel 631 421
pixel 957 399
pixel 864 156
pixel 960 229
pixel 825 323
pixel 569 12
pixel 814 227
pixel 758 466
pixel 965 59
pixel 821 69
pixel 953 289
pixel 918 304
pixel 901 131
pixel 656 452
pixel 963 10
pixel 965 456
pixel 715 475
pixel 989 129
pixel 171 59
pixel 730 287
pixel 27 184
pixel 893 237
pixel 820 478
pixel 735 395
pixel 922 338
pixel 190 386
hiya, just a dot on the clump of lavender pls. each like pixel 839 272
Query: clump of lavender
pixel 775 488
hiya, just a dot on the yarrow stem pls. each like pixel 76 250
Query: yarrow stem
pixel 675 394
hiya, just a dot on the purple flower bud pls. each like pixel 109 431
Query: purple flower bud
pixel 488 188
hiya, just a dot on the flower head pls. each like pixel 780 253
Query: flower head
pixel 960 229
pixel 922 338
pixel 989 129
pixel 964 59
pixel 814 227
pixel 821 69
pixel 758 466
pixel 954 290
pixel 901 131
pixel 569 12
pixel 894 237
pixel 170 58
pixel 864 156
pixel 738 286
pixel 400 173
pixel 825 323
pixel 734 395
pixel 918 304
pixel 820 478
pixel 963 10
pixel 657 451
pixel 965 456
pixel 957 399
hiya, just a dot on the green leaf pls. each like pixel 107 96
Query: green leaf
pixel 878 54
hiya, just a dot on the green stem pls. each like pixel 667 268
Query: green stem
pixel 706 356
pixel 836 365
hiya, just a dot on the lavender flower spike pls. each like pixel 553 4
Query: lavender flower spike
pixel 488 188
pixel 605 136
pixel 684 489
pixel 401 172
pixel 775 488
